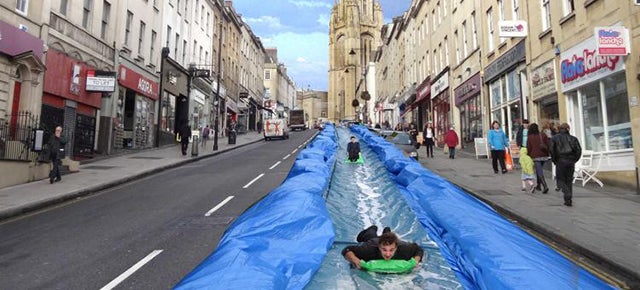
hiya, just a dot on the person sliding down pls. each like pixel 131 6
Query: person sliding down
pixel 387 247
pixel 353 149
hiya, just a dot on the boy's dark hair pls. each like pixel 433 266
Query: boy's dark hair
pixel 389 238
pixel 353 137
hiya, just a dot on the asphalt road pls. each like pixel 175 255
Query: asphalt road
pixel 146 234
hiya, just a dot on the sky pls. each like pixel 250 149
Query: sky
pixel 300 31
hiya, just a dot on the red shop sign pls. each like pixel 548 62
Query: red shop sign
pixel 135 81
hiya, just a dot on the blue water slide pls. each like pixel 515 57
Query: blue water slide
pixel 280 242
pixel 484 249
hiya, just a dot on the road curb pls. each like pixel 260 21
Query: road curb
pixel 37 205
pixel 623 274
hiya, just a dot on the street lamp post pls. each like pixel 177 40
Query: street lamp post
pixel 217 102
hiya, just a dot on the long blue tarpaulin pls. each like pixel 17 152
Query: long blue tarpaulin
pixel 280 242
pixel 484 249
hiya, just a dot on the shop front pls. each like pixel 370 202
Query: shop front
pixel 21 73
pixel 598 104
pixel 422 104
pixel 469 102
pixel 135 110
pixel 441 101
pixel 503 76
pixel 67 103
pixel 174 104
pixel 545 95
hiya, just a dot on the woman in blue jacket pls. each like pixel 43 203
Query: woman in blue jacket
pixel 497 143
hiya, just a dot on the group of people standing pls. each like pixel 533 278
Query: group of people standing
pixel 537 147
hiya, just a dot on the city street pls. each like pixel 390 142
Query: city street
pixel 146 234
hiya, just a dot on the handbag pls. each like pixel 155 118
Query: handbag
pixel 508 160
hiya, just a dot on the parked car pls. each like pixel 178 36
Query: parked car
pixel 402 140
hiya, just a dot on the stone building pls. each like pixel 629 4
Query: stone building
pixel 354 37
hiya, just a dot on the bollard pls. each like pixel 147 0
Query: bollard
pixel 232 137
pixel 194 146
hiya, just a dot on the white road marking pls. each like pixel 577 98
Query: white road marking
pixel 294 151
pixel 131 270
pixel 254 180
pixel 288 155
pixel 274 166
pixel 221 204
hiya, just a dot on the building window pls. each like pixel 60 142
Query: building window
pixel 208 22
pixel 490 28
pixel 456 37
pixel 546 15
pixel 567 7
pixel 516 8
pixel 197 11
pixel 143 27
pixel 186 8
pixel 184 50
pixel 195 49
pixel 127 28
pixel 474 30
pixel 86 13
pixel 168 35
pixel 502 17
pixel 446 52
pixel 177 44
pixel 465 50
pixel 200 55
pixel 22 6
pixel 106 12
pixel 267 76
pixel 152 46
pixel 201 14
pixel 63 7
pixel 605 113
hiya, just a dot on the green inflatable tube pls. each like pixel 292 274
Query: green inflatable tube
pixel 359 161
pixel 389 266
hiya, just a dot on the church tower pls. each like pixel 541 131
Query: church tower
pixel 354 37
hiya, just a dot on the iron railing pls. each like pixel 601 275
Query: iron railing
pixel 16 135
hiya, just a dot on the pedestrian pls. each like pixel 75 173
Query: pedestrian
pixel 429 138
pixel 521 135
pixel 526 163
pixel 56 153
pixel 498 143
pixel 185 134
pixel 387 246
pixel 206 131
pixel 538 146
pixel 565 152
pixel 413 132
pixel 451 140
pixel 259 125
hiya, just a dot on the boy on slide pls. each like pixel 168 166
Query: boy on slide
pixel 353 149
pixel 386 247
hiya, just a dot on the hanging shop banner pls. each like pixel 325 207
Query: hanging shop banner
pixel 100 81
pixel 440 85
pixel 468 89
pixel 512 28
pixel 581 65
pixel 543 81
pixel 613 40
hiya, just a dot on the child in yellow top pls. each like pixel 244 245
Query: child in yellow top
pixel 528 174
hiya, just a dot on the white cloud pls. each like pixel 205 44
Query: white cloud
pixel 310 4
pixel 306 57
pixel 269 21
pixel 324 19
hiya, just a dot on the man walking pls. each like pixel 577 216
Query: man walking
pixel 565 152
pixel 56 153
pixel 185 134
pixel 205 136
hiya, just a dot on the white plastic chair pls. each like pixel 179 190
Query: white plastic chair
pixel 586 169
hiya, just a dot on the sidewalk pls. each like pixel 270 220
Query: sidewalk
pixel 106 173
pixel 603 225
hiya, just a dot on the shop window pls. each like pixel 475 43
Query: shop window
pixel 592 116
pixel 514 85
pixel 496 95
pixel 618 116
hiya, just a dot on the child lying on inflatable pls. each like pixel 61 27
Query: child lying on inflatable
pixel 386 254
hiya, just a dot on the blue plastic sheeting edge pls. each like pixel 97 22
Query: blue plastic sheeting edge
pixel 280 242
pixel 485 250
